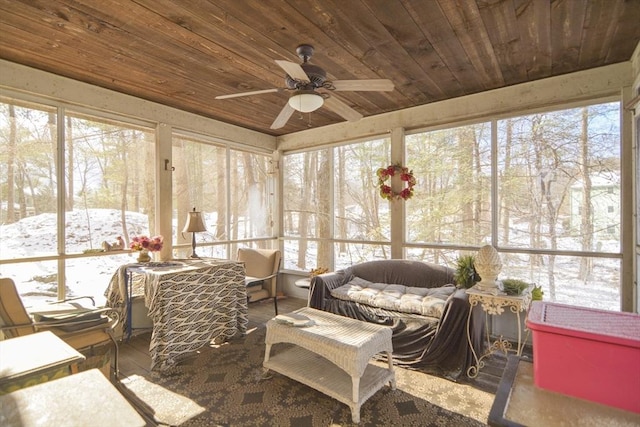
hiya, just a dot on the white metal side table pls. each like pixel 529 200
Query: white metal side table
pixel 495 305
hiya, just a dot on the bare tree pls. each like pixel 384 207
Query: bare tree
pixel 505 212
pixel 323 216
pixel 124 190
pixel 586 220
pixel 308 179
pixel 181 188
pixel 221 196
pixel 68 203
pixel 341 220
pixel 11 161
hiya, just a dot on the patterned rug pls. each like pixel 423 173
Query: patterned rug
pixel 225 386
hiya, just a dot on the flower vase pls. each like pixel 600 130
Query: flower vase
pixel 143 256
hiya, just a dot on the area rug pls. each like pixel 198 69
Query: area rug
pixel 225 385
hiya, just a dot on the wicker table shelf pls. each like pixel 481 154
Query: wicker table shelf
pixel 332 356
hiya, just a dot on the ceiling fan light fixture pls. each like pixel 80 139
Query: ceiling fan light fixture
pixel 306 101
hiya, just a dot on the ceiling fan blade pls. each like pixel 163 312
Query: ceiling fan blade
pixel 382 85
pixel 342 109
pixel 253 92
pixel 283 117
pixel 294 70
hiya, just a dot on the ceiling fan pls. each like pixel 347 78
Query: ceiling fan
pixel 311 89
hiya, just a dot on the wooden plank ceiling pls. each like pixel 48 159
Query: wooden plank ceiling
pixel 185 53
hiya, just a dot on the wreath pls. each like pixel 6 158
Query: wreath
pixel 406 176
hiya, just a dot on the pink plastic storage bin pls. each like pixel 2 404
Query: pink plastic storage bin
pixel 587 353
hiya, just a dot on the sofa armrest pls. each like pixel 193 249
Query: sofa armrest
pixel 321 286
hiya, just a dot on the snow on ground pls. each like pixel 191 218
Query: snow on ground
pixel 86 230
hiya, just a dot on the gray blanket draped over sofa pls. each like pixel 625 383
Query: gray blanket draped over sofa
pixel 434 345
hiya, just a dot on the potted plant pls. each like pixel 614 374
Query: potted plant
pixel 514 286
pixel 466 275
pixel 537 293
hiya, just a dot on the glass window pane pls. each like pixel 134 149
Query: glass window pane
pixel 112 192
pixel 306 194
pixel 91 276
pixel 447 257
pixel 354 253
pixel 302 254
pixel 559 172
pixel 562 280
pixel 200 182
pixel 36 282
pixel 452 196
pixel 28 190
pixel 307 209
pixel 251 196
pixel 360 213
pixel 204 249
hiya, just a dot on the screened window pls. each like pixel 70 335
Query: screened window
pixel 333 216
pixel 543 188
pixel 98 182
pixel 233 189
pixel 112 170
pixel 362 220
pixel 251 191
pixel 307 210
pixel 452 197
pixel 29 190
pixel 558 172
pixel 200 183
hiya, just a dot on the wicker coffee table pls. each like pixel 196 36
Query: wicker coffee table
pixel 332 356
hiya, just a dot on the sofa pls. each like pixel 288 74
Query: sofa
pixel 418 300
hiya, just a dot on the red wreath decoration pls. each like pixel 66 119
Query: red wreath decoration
pixel 406 176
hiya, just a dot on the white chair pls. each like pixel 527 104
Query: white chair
pixel 261 270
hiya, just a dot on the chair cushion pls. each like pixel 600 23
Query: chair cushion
pixel 253 281
pixel 74 315
pixel 406 299
pixel 257 293
pixel 83 338
pixel 12 311
pixel 258 263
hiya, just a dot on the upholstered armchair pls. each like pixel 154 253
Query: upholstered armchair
pixel 261 269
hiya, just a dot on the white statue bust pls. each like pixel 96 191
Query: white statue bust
pixel 488 266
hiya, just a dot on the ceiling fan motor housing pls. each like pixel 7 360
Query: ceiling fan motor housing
pixel 317 77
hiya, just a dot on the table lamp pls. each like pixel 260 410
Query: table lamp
pixel 194 225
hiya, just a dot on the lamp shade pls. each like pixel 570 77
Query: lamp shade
pixel 306 101
pixel 195 223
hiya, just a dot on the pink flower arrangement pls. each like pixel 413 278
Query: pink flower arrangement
pixel 152 244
